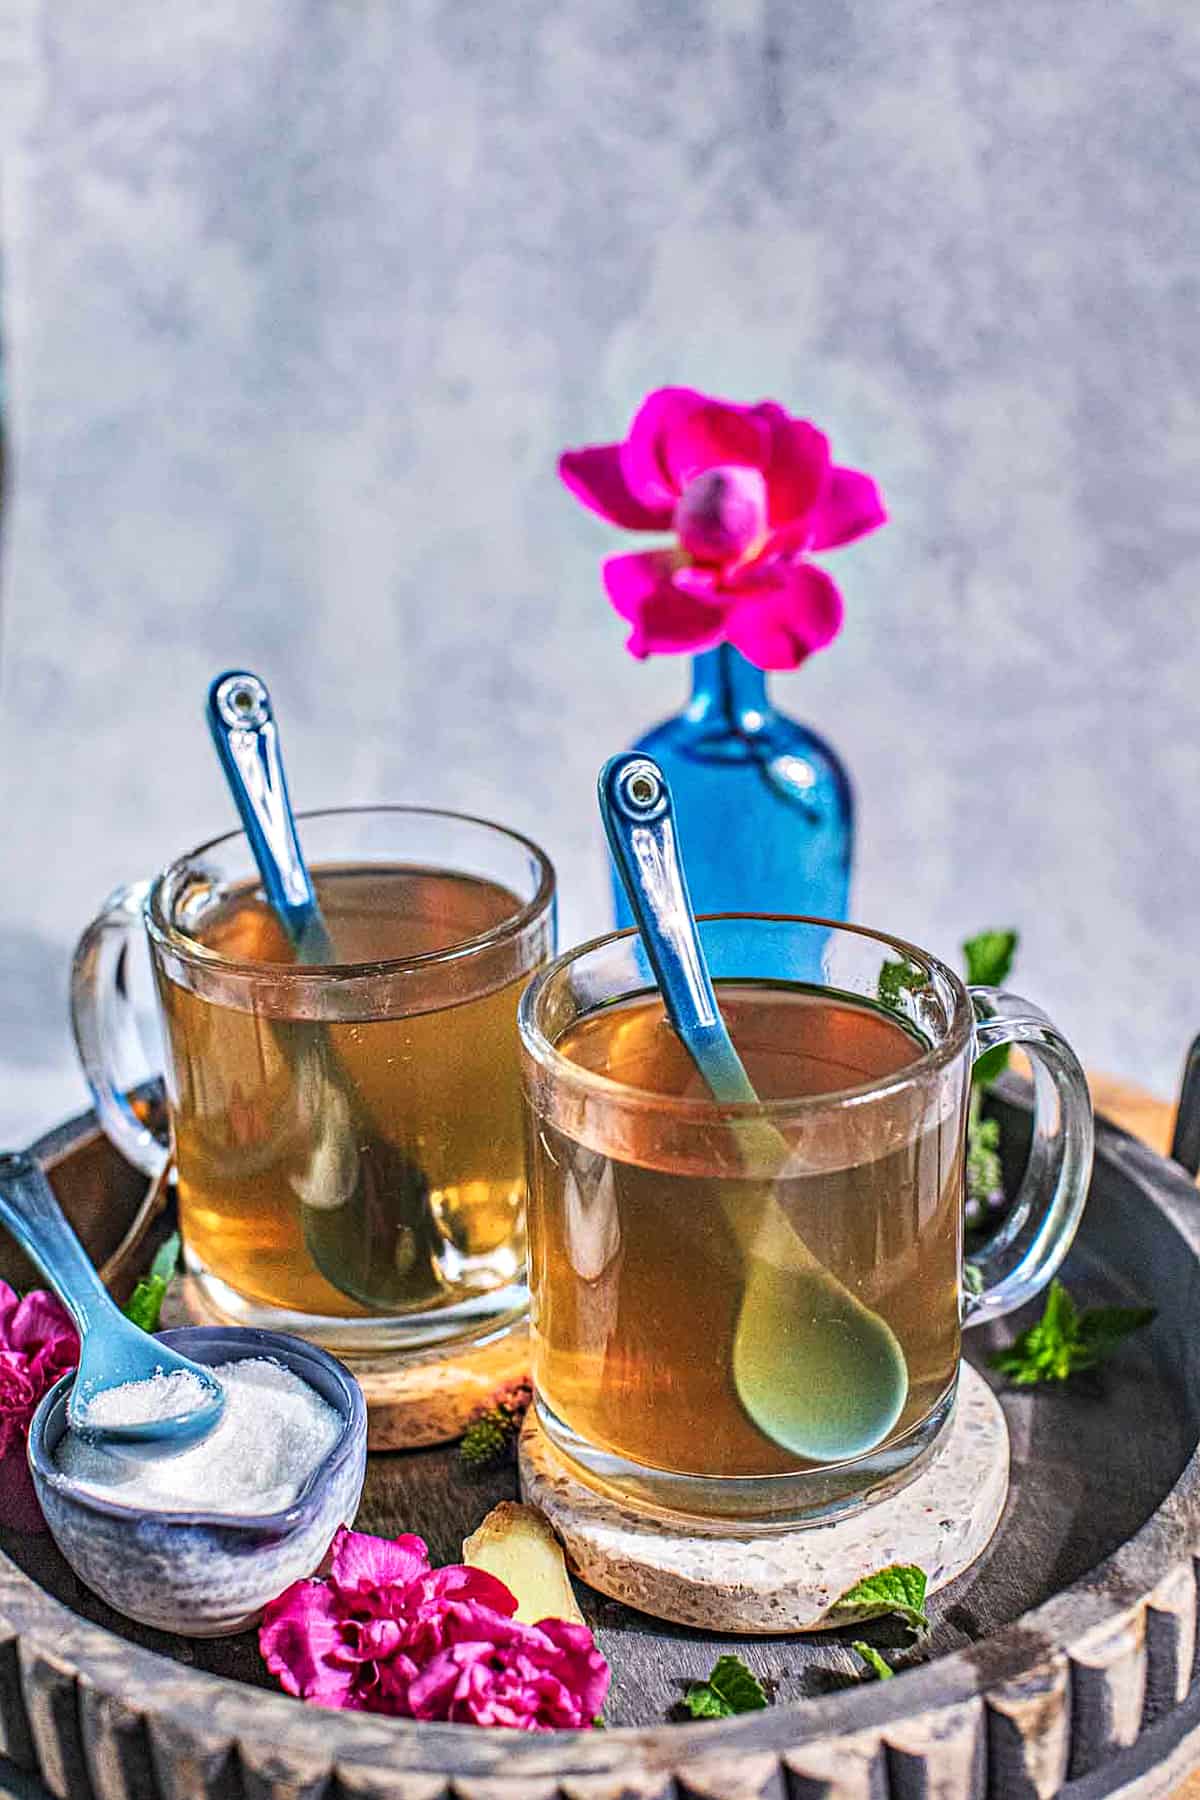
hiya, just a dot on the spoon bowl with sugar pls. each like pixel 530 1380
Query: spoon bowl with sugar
pixel 132 1394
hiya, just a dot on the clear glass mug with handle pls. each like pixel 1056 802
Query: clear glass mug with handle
pixel 701 1287
pixel 347 1137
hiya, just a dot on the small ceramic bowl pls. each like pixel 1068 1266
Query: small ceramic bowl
pixel 200 1573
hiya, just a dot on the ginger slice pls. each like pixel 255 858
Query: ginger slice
pixel 517 1545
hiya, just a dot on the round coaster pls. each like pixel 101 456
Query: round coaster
pixel 788 1580
pixel 414 1399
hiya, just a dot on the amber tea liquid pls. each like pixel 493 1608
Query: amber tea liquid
pixel 637 1261
pixel 352 1168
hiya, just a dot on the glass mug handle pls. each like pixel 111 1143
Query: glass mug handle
pixel 1027 1249
pixel 104 1021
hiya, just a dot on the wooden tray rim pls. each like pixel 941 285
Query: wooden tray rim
pixel 1090 1637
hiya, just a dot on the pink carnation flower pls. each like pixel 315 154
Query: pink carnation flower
pixel 369 1635
pixel 749 492
pixel 38 1343
pixel 544 1677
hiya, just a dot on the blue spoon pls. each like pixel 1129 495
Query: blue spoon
pixel 242 723
pixel 367 1220
pixel 817 1371
pixel 112 1349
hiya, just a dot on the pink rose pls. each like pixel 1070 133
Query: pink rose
pixel 38 1343
pixel 377 1631
pixel 544 1677
pixel 749 493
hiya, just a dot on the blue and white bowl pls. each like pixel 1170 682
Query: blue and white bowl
pixel 204 1574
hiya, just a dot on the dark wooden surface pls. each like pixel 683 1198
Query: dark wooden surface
pixel 1089 1466
pixel 1045 1664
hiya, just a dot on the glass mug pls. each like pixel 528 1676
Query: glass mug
pixel 754 1314
pixel 347 1138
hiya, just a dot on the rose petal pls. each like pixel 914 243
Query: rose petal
pixel 699 582
pixel 712 435
pixel 361 1561
pixel 663 617
pixel 792 610
pixel 594 475
pixel 851 506
pixel 798 468
pixel 642 460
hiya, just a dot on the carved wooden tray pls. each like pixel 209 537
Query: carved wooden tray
pixel 1062 1663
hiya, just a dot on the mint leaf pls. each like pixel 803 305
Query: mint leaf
pixel 144 1305
pixel 989 957
pixel 703 1702
pixel 989 960
pixel 873 1660
pixel 1065 1341
pixel 731 1688
pixel 897 979
pixel 987 1067
pixel 900 1589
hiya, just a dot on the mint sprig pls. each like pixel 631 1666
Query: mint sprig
pixel 899 1589
pixel 1067 1340
pixel 875 1663
pixel 731 1688
pixel 144 1305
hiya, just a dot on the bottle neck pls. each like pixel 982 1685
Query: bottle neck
pixel 727 688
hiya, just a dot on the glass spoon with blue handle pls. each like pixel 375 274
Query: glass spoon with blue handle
pixel 113 1351
pixel 818 1372
pixel 242 723
pixel 367 1220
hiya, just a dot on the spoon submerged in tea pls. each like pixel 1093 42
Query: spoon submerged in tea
pixel 818 1372
pixel 185 1400
pixel 368 1223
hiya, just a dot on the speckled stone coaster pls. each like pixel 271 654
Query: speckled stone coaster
pixel 413 1399
pixel 786 1581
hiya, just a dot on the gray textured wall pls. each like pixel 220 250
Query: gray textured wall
pixel 300 301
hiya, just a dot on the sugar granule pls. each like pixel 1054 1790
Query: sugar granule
pixel 161 1396
pixel 273 1432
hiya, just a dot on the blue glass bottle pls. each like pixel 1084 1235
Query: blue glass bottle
pixel 765 808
